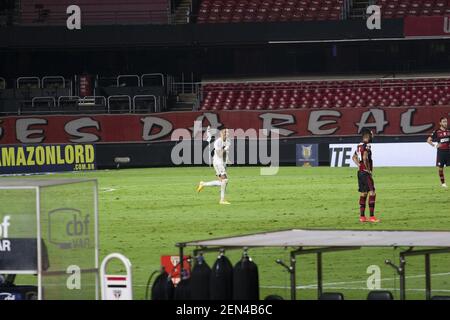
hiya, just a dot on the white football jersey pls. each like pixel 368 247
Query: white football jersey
pixel 219 145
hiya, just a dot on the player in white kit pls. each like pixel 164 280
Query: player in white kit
pixel 221 149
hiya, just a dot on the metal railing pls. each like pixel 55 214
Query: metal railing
pixel 119 97
pixel 341 82
pixel 23 82
pixel 139 80
pixel 146 96
pixel 147 75
pixel 170 81
pixel 128 76
pixel 51 102
pixel 88 100
pixel 53 78
pixel 67 98
pixel 185 87
pixel 29 80
pixel 72 97
pixel 346 9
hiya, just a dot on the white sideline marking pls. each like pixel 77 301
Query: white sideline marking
pixel 331 284
pixel 107 189
pixel 383 288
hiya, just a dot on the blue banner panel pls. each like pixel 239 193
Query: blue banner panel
pixel 47 158
pixel 307 155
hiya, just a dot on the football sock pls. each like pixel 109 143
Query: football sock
pixel 223 187
pixel 214 183
pixel 372 205
pixel 441 175
pixel 362 205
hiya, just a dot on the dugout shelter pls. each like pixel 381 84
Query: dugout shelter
pixel 318 242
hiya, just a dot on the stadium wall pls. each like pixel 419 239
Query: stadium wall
pixel 332 151
pixel 149 140
pixel 158 154
pixel 171 126
pixel 194 34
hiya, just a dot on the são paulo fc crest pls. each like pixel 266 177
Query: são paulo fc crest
pixel 117 294
pixel 175 260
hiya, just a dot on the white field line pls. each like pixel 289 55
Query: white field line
pixel 332 285
pixel 107 189
pixel 382 288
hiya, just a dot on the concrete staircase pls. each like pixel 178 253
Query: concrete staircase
pixel 181 12
pixel 183 102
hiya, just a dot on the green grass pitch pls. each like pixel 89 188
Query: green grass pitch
pixel 144 212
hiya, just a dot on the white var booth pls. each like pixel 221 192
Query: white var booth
pixel 49 236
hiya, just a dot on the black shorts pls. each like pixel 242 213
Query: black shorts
pixel 443 158
pixel 365 182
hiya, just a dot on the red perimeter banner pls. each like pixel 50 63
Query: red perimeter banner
pixel 160 127
pixel 427 26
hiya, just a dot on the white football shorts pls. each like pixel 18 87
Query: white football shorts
pixel 219 166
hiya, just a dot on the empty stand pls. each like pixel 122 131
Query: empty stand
pixel 326 94
pixel 56 95
pixel 402 8
pixel 226 11
pixel 95 11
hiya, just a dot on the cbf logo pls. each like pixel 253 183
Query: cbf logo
pixel 68 228
pixel 5 244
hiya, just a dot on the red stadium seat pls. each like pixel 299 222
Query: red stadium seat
pixel 327 94
pixel 269 10
pixel 96 12
pixel 401 8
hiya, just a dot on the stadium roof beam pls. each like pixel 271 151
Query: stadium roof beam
pixel 321 241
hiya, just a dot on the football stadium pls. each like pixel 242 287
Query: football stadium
pixel 224 150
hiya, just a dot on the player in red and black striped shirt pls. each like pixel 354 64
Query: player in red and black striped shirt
pixel 363 159
pixel 442 137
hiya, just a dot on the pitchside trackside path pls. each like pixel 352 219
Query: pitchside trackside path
pixel 144 212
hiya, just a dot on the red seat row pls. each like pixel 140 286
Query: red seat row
pixel 224 11
pixel 326 94
pixel 402 8
pixel 94 12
